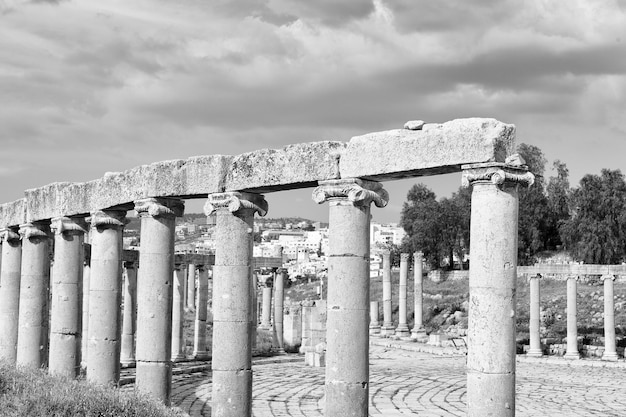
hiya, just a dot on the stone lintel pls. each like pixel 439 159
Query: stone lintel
pixel 13 213
pixel 435 149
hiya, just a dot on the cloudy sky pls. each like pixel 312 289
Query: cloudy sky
pixel 93 86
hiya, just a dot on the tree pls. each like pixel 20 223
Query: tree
pixel 596 231
pixel 454 225
pixel 558 191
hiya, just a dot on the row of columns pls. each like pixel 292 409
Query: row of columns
pixel 535 350
pixel 491 351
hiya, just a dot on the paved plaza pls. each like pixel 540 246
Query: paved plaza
pixel 406 383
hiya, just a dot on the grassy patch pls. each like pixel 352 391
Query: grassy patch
pixel 26 392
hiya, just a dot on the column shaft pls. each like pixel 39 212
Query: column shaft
pixel 33 304
pixel 199 342
pixel 154 296
pixel 610 352
pixel 374 318
pixel 266 311
pixel 129 320
pixel 279 299
pixel 403 329
pixel 387 327
pixel 84 351
pixel 67 293
pixel 535 317
pixel 232 350
pixel 418 331
pixel 178 313
pixel 105 297
pixel 191 287
pixel 10 293
pixel 572 328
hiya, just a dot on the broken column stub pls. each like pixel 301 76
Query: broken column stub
pixel 10 293
pixel 232 350
pixel 435 149
pixel 105 296
pixel 66 303
pixel 347 381
pixel 154 295
pixel 492 281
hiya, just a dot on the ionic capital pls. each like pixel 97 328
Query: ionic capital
pixel 531 277
pixel 108 219
pixel 404 257
pixel 236 201
pixel 605 277
pixel 418 256
pixel 497 173
pixel 355 190
pixel 68 225
pixel 160 207
pixel 9 234
pixel 34 230
pixel 574 277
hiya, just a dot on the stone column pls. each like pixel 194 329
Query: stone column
pixel 85 316
pixel 347 352
pixel 10 293
pixel 105 296
pixel 67 293
pixel 199 341
pixel 492 281
pixel 387 328
pixel 154 295
pixel 610 353
pixel 232 351
pixel 32 331
pixel 535 317
pixel 129 319
pixel 418 332
pixel 572 328
pixel 255 308
pixel 191 287
pixel 266 310
pixel 279 301
pixel 178 312
pixel 374 318
pixel 403 329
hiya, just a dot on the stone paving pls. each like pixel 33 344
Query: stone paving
pixel 406 383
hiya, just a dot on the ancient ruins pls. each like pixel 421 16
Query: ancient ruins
pixel 347 176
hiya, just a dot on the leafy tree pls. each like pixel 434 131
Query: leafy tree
pixel 596 231
pixel 455 225
pixel 558 191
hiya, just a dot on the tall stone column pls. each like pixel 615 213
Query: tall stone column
pixel 572 326
pixel 347 352
pixel 32 332
pixel 387 328
pixel 154 295
pixel 279 301
pixel 199 341
pixel 403 329
pixel 266 310
pixel 535 317
pixel 418 332
pixel 610 353
pixel 105 296
pixel 232 352
pixel 10 293
pixel 84 349
pixel 492 281
pixel 374 318
pixel 129 319
pixel 178 312
pixel 191 287
pixel 67 293
pixel 254 302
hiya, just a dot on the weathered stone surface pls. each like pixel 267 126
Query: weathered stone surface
pixel 13 213
pixel 437 148
pixel 294 166
pixel 414 124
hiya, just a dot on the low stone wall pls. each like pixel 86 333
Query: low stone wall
pixel 440 276
pixel 586 351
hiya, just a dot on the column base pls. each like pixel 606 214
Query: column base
pixel 609 356
pixel 128 363
pixel 573 355
pixel 202 355
pixel 402 331
pixel 178 358
pixel 387 331
pixel 265 327
pixel 419 334
pixel 534 353
pixel 374 329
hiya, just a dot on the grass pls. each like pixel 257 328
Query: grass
pixel 34 393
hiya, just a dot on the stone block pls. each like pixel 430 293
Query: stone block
pixel 13 213
pixel 435 149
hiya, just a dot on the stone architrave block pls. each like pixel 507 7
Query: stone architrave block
pixel 294 166
pixel 13 213
pixel 435 149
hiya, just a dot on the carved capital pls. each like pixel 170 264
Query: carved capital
pixel 35 230
pixel 236 201
pixel 9 234
pixel 497 173
pixel 419 255
pixel 160 207
pixel 404 257
pixel 112 219
pixel 605 277
pixel 68 225
pixel 574 277
pixel 355 190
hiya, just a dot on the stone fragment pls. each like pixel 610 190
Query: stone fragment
pixel 414 125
